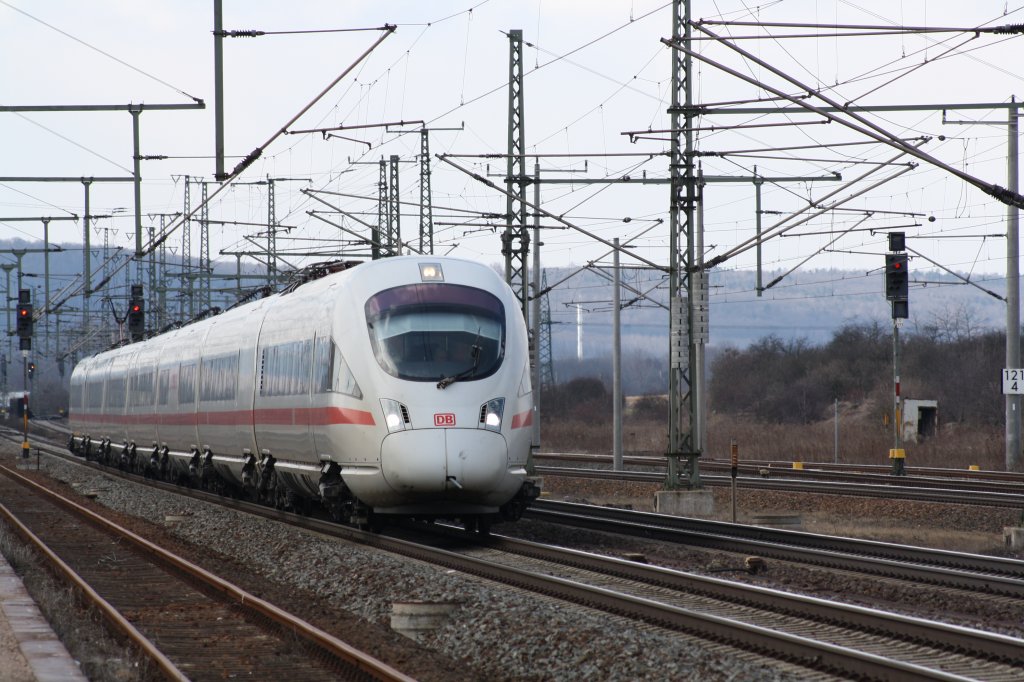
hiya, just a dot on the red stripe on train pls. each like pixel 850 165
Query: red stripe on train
pixel 302 416
pixel 522 420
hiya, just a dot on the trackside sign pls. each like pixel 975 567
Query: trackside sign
pixel 1013 381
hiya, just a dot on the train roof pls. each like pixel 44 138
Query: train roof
pixel 322 274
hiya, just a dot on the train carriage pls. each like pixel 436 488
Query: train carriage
pixel 398 387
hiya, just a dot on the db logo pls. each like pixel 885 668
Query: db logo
pixel 444 419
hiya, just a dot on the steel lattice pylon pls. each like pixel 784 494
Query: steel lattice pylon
pixel 515 241
pixel 205 266
pixel 684 442
pixel 382 210
pixel 426 245
pixel 393 238
pixel 186 306
pixel 544 355
pixel 271 233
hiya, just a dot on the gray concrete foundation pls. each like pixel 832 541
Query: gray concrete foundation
pixel 699 503
pixel 1014 537
pixel 418 619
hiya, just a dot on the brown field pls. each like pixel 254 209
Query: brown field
pixel 863 439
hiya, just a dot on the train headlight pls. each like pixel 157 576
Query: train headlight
pixel 396 415
pixel 431 272
pixel 491 413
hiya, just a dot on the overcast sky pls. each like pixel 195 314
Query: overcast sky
pixel 595 70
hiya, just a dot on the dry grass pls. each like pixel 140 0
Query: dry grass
pixel 863 439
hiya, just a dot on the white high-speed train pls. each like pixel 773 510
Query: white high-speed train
pixel 394 387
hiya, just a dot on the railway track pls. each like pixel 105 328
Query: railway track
pixel 757 467
pixel 892 487
pixel 191 624
pixel 981 488
pixel 821 635
pixel 838 637
pixel 973 572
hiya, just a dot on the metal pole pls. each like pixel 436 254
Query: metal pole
pixel 7 359
pixel 535 307
pixel 87 275
pixel 896 454
pixel 24 442
pixel 1013 402
pixel 699 332
pixel 579 332
pixel 734 454
pixel 616 364
pixel 218 88
pixel 238 276
pixel 138 180
pixel 46 279
pixel 757 218
pixel 163 316
pixel 836 450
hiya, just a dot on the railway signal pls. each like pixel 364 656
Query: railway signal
pixel 897 276
pixel 897 280
pixel 25 323
pixel 136 314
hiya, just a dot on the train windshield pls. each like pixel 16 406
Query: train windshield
pixel 430 332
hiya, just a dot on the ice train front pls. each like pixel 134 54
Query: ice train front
pixel 446 361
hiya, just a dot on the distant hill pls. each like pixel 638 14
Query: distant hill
pixel 810 304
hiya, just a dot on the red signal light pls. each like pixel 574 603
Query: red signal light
pixel 136 308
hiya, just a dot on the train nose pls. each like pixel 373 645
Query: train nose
pixel 435 461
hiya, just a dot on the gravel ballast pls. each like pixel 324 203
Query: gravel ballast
pixel 494 633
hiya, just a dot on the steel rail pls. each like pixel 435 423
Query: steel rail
pixel 997 481
pixel 979 642
pixel 905 553
pixel 320 638
pixel 946 495
pixel 114 616
pixel 779 645
pixel 994 575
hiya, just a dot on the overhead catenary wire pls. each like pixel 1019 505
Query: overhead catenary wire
pixel 170 229
pixel 102 52
pixel 892 196
pixel 862 125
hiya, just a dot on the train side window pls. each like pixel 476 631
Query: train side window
pixel 94 385
pixel 187 384
pixel 286 368
pixel 219 378
pixel 141 389
pixel 116 392
pixel 331 374
pixel 323 364
pixel 77 393
pixel 344 380
pixel 163 391
pixel 94 394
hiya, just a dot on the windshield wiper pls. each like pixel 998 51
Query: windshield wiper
pixel 445 382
